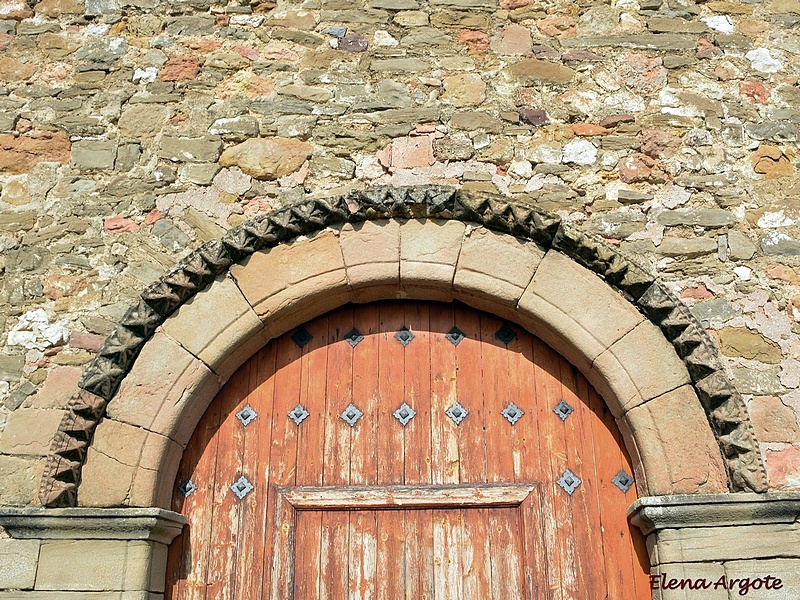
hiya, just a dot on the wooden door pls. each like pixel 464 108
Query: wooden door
pixel 406 450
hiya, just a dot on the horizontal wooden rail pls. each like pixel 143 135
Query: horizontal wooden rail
pixel 388 497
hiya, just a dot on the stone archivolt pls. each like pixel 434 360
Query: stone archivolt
pixel 721 402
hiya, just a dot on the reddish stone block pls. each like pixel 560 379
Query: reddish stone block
pixel 643 74
pixel 783 466
pixel 21 154
pixel 659 144
pixel 755 91
pixel 410 152
pixel 640 168
pixel 119 225
pixel 86 341
pixel 476 40
pixel 180 68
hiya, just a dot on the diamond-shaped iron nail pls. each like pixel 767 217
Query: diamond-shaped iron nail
pixel 455 335
pixel 623 481
pixel 299 414
pixel 354 337
pixel 563 410
pixel 351 415
pixel 187 487
pixel 512 412
pixel 246 415
pixel 457 412
pixel 404 336
pixel 569 482
pixel 242 487
pixel 301 337
pixel 505 334
pixel 404 414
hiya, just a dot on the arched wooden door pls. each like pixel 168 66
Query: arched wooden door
pixel 406 450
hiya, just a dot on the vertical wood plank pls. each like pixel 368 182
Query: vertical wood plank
pixel 494 362
pixel 506 550
pixel 617 544
pixel 311 453
pixel 417 380
pixel 442 368
pixel 189 568
pixel 476 553
pixel 363 577
pixel 528 464
pixel 447 569
pixel 364 439
pixel 220 579
pixel 283 465
pixel 470 392
pixel 255 460
pixel 557 530
pixel 589 566
pixel 335 556
pixel 390 450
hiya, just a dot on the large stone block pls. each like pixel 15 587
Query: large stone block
pixel 166 392
pixel 277 279
pixel 371 252
pixel 100 565
pixel 228 323
pixel 18 559
pixel 429 250
pixel 30 431
pixel 676 446
pixel 19 480
pixel 639 367
pixel 773 540
pixel 494 267
pixel 669 583
pixel 575 311
pixel 785 569
pixel 124 466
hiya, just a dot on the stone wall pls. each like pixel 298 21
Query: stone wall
pixel 133 131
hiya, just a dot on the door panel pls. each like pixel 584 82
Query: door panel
pixel 324 398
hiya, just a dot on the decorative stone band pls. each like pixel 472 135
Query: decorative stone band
pixel 654 513
pixel 102 377
pixel 151 524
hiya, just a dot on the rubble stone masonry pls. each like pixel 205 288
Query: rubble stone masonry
pixel 133 131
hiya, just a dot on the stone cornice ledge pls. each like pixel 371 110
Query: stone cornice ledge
pixel 154 524
pixel 652 513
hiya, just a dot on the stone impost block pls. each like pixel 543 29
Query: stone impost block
pixel 371 252
pixel 30 431
pixel 728 543
pixel 276 280
pixel 100 565
pixel 215 326
pixel 494 267
pixel 639 367
pixel 675 444
pixel 18 559
pixel 429 250
pixel 574 311
pixel 166 392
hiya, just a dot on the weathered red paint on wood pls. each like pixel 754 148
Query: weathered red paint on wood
pixel 552 545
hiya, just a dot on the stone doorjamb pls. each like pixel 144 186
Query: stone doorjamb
pixel 85 554
pixel 739 540
pixel 639 346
